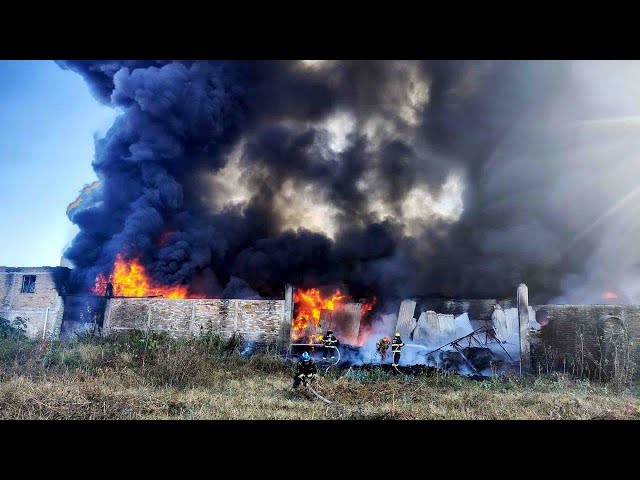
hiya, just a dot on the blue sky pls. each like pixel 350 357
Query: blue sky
pixel 48 120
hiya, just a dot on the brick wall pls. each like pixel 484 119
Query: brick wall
pixel 40 308
pixel 255 320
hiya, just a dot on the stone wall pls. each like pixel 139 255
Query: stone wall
pixel 40 308
pixel 255 320
pixel 570 332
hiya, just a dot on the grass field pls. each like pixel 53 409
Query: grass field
pixel 155 377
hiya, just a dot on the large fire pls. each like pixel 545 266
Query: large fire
pixel 367 306
pixel 609 296
pixel 308 305
pixel 130 279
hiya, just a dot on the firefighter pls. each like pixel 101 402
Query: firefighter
pixel 305 370
pixel 108 292
pixel 396 346
pixel 329 342
pixel 383 345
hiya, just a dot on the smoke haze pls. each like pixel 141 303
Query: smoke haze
pixel 388 178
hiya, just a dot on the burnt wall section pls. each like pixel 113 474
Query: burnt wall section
pixel 571 335
pixel 82 314
pixel 33 294
pixel 406 318
pixel 256 320
pixel 477 309
pixel 346 322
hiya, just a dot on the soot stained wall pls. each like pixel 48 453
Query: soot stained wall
pixel 478 309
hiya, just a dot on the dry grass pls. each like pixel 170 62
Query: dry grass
pixel 231 395
pixel 191 380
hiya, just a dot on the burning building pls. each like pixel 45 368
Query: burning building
pixel 475 336
pixel 392 194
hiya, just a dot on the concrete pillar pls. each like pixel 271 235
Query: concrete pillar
pixel 284 335
pixel 423 327
pixel 406 322
pixel 523 322
pixel 106 324
pixel 389 322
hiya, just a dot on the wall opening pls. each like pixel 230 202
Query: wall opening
pixel 28 284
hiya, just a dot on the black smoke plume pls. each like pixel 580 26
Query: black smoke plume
pixel 237 177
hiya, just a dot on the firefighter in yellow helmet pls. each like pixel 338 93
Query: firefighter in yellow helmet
pixel 396 346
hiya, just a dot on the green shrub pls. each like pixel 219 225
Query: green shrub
pixel 13 331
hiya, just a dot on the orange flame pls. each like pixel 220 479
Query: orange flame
pixel 130 279
pixel 308 305
pixel 609 295
pixel 368 306
pixel 73 205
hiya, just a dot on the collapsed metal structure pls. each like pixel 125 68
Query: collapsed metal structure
pixel 481 337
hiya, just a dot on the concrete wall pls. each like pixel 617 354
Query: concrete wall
pixel 255 320
pixel 41 309
pixel 478 309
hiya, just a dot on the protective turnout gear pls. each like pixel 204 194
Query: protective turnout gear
pixel 329 342
pixel 396 346
pixel 382 346
pixel 305 370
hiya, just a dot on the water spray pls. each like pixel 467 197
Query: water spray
pixel 415 345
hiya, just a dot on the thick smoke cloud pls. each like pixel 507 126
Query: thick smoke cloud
pixel 388 178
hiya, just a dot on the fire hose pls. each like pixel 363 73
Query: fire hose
pixel 310 388
pixel 411 345
pixel 336 362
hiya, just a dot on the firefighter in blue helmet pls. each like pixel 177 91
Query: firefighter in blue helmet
pixel 305 370
pixel 329 342
pixel 396 346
